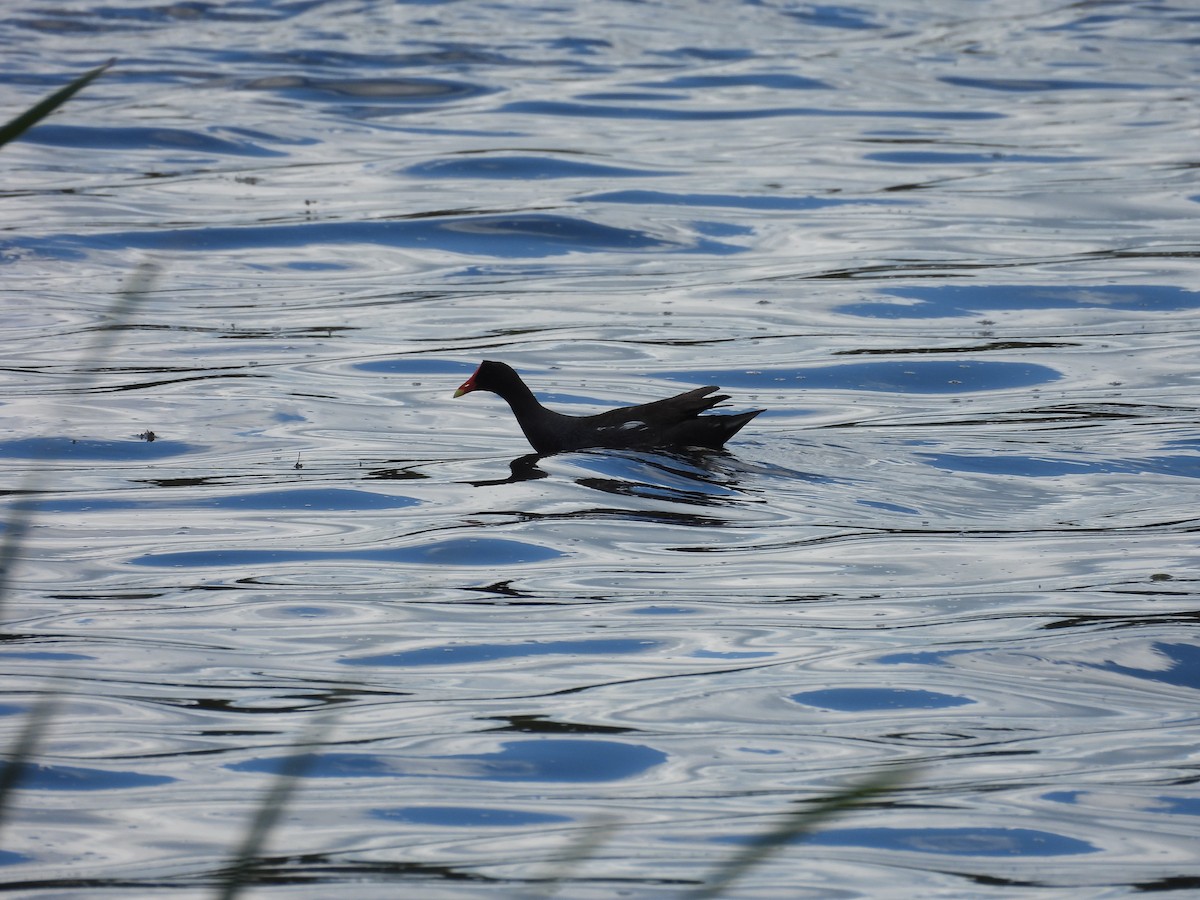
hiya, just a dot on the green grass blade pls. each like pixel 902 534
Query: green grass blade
pixel 802 822
pixel 24 508
pixel 20 757
pixel 240 871
pixel 587 844
pixel 14 129
pixel 16 526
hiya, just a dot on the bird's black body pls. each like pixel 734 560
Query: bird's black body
pixel 673 423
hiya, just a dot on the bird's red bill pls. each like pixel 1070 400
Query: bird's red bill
pixel 466 387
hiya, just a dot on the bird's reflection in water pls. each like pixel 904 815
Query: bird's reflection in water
pixel 699 477
pixel 695 477
pixel 523 468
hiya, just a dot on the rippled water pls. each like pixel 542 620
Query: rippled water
pixel 950 247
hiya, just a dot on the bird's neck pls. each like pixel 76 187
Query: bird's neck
pixel 536 421
pixel 520 398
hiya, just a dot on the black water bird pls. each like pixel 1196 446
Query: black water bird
pixel 671 424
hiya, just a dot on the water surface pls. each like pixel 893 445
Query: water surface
pixel 950 250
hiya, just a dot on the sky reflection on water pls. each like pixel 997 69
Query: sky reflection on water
pixel 952 255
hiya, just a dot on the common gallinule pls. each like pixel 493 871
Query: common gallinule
pixel 674 423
